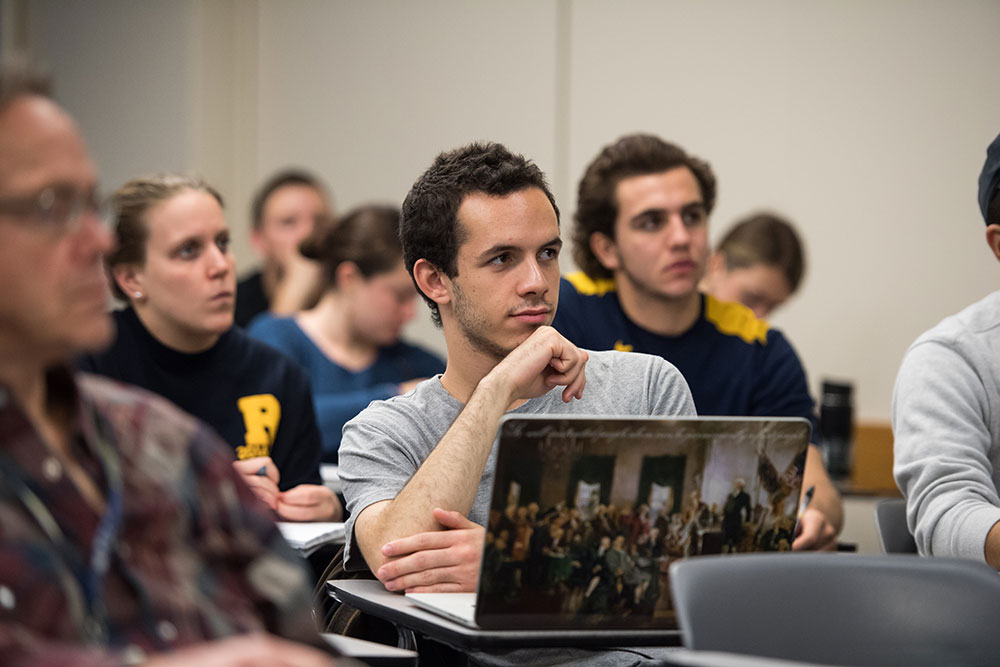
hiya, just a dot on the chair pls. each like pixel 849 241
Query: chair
pixel 890 521
pixel 840 609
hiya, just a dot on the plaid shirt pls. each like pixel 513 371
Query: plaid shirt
pixel 196 555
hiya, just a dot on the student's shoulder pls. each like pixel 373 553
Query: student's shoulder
pixel 980 320
pixel 427 402
pixel 251 355
pixel 579 283
pixel 615 364
pixel 582 295
pixel 737 321
pixel 268 324
pixel 589 313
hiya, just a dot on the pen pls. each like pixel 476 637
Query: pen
pixel 806 499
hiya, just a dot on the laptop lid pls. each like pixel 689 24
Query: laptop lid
pixel 588 513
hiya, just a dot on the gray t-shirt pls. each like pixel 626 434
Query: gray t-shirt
pixel 384 445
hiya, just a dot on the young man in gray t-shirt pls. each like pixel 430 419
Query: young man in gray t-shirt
pixel 480 233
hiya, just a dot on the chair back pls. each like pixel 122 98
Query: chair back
pixel 890 521
pixel 840 609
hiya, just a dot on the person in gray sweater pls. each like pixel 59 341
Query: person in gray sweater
pixel 946 418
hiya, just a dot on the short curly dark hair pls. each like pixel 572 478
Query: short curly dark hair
pixel 631 155
pixel 429 228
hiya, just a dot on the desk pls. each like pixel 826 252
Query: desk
pixel 371 597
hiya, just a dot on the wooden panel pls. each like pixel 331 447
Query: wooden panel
pixel 871 468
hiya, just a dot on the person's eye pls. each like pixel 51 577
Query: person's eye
pixel 693 217
pixel 501 259
pixel 223 244
pixel 188 250
pixel 550 253
pixel 648 222
pixel 56 204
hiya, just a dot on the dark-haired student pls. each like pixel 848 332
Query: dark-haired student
pixel 349 343
pixel 173 265
pixel 641 238
pixel 125 535
pixel 480 236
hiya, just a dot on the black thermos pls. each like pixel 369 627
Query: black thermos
pixel 836 423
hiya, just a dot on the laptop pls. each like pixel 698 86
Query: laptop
pixel 587 514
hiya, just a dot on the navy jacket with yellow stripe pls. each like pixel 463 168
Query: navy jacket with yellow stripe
pixel 734 363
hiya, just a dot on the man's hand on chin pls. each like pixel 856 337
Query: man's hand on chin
pixel 441 561
pixel 544 360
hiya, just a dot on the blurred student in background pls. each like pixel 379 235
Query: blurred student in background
pixel 350 342
pixel 173 265
pixel 760 263
pixel 285 210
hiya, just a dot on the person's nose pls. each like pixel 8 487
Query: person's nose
pixel 533 279
pixel 218 261
pixel 676 233
pixel 93 236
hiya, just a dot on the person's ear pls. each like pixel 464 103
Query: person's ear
pixel 432 281
pixel 993 239
pixel 605 251
pixel 129 279
pixel 347 275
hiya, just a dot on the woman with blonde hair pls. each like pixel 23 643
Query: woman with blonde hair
pixel 173 266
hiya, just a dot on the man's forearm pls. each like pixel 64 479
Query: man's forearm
pixel 992 547
pixel 449 478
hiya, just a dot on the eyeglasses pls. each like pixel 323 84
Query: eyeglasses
pixel 57 208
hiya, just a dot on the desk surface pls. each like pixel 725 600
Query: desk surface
pixel 371 597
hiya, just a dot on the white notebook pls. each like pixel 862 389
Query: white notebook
pixel 310 534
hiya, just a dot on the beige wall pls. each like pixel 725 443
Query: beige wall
pixel 865 121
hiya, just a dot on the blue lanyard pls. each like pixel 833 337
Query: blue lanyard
pixel 103 546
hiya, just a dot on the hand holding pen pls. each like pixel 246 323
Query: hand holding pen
pixel 806 499
pixel 262 476
pixel 812 530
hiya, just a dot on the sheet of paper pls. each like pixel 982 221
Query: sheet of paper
pixel 308 534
